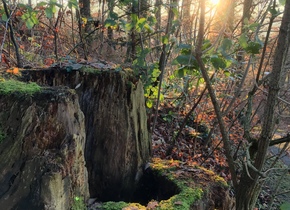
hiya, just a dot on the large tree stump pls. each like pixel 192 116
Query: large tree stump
pixel 117 138
pixel 42 162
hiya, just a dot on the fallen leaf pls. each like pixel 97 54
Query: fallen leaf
pixel 178 202
pixel 152 205
pixel 14 70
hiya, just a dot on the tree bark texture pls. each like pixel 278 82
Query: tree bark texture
pixel 249 189
pixel 42 155
pixel 117 139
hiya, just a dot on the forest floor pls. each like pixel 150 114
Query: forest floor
pixel 193 147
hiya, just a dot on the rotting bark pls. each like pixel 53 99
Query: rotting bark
pixel 117 138
pixel 42 160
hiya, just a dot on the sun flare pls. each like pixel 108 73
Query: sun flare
pixel 214 2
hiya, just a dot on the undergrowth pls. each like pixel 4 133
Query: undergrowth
pixel 11 86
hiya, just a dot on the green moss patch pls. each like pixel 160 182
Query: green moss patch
pixel 190 185
pixel 11 86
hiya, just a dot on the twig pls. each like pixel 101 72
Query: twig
pixel 280 140
pixel 18 57
pixel 215 103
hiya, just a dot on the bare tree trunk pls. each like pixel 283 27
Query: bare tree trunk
pixel 249 187
pixel 198 55
pixel 246 16
pixel 110 32
pixel 246 11
pixel 158 19
pixel 85 11
pixel 186 18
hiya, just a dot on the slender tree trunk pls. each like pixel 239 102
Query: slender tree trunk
pixel 224 133
pixel 249 189
pixel 246 10
pixel 85 8
pixel 246 16
pixel 131 49
pixel 158 4
pixel 110 31
pixel 186 19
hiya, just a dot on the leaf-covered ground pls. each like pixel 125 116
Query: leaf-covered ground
pixel 194 147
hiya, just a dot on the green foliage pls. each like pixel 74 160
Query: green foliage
pixel 218 61
pixel 121 205
pixel 149 74
pixel 183 200
pixel 285 206
pixel 168 117
pixel 30 16
pixel 150 89
pixel 11 86
pixel 51 8
pixel 79 204
pixel 186 58
pixel 73 4
pixel 140 25
pixel 250 46
pixel 3 15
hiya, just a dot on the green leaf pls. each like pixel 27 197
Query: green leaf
pixel 152 20
pixel 41 4
pixel 184 71
pixel 273 11
pixel 53 8
pixel 165 39
pixel 25 16
pixel 34 19
pixel 206 44
pixel 141 21
pixel 140 24
pixel 285 206
pixel 149 103
pixel 48 12
pixel 186 60
pixel 73 4
pixel 148 28
pixel 114 15
pixel 29 23
pixel 184 46
pixel 282 2
pixel 128 26
pixel 253 47
pixel 218 62
pixel 243 41
pixel 253 26
pixel 226 45
pixel 180 73
pixel 134 18
pixel 246 21
pixel 175 11
pixel 200 81
pixel 110 22
pixel 227 73
pixel 4 17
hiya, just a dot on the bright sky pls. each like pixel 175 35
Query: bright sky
pixel 214 1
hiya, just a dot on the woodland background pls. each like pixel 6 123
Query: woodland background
pixel 215 74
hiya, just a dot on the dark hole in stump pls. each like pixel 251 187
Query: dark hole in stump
pixel 152 186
